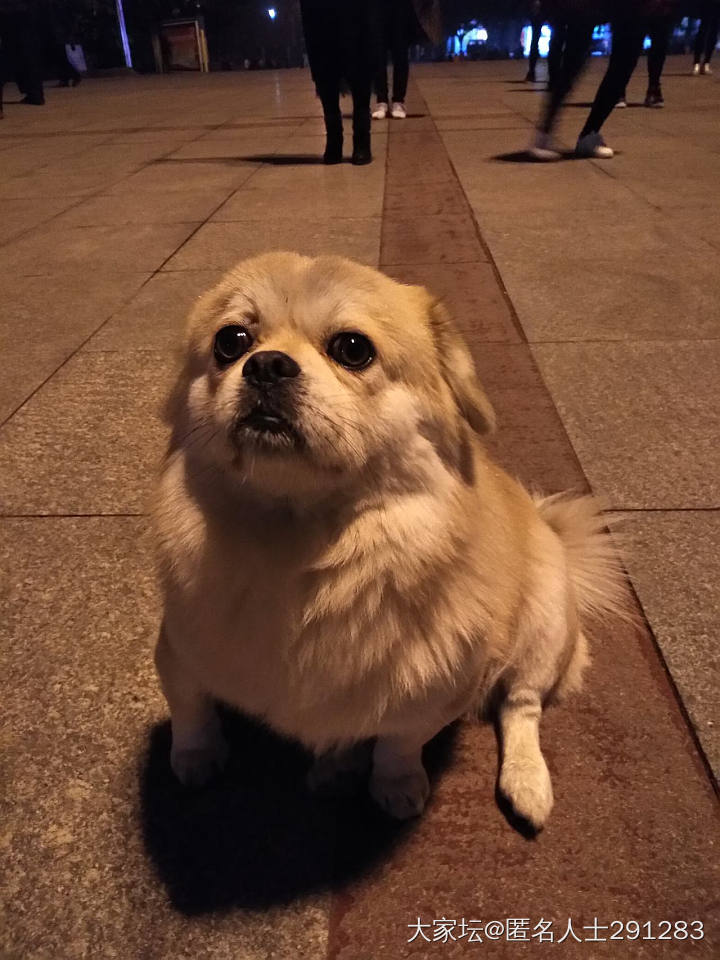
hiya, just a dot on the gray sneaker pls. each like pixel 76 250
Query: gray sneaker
pixel 593 147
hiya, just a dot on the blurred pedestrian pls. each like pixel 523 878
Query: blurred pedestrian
pixel 707 37
pixel 339 48
pixel 397 24
pixel 630 24
pixel 20 30
pixel 573 22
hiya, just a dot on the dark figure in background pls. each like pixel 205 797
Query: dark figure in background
pixel 393 26
pixel 397 24
pixel 20 57
pixel 707 36
pixel 536 22
pixel 339 49
pixel 60 28
pixel 659 30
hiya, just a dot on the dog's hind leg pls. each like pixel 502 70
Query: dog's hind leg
pixel 524 776
pixel 198 747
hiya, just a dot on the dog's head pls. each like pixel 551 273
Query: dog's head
pixel 303 374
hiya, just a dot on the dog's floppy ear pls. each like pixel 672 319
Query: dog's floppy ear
pixel 459 372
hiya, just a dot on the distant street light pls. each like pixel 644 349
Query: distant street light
pixel 272 12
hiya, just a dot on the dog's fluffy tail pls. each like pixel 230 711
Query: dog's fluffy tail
pixel 595 566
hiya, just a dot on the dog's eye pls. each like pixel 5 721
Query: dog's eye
pixel 352 350
pixel 231 343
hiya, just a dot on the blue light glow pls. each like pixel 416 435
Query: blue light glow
pixel 272 12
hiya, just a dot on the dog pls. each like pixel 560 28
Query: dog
pixel 337 553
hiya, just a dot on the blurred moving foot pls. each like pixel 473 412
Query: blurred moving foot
pixel 705 69
pixel 530 77
pixel 380 111
pixel 398 111
pixel 34 101
pixel 654 98
pixel 593 147
pixel 542 148
pixel 696 70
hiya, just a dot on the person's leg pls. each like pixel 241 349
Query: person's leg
pixel 700 39
pixel 555 51
pixel 536 27
pixel 659 40
pixel 30 68
pixel 361 89
pixel 328 89
pixel 379 38
pixel 627 44
pixel 399 44
pixel 577 49
pixel 713 23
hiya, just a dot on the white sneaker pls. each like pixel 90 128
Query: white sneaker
pixel 705 69
pixel 542 148
pixel 621 104
pixel 398 111
pixel 696 70
pixel 593 147
pixel 380 111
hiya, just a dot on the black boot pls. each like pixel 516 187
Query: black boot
pixel 334 139
pixel 361 139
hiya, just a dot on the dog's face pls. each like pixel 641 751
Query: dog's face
pixel 302 374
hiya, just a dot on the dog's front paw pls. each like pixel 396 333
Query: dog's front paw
pixel 196 766
pixel 403 796
pixel 526 784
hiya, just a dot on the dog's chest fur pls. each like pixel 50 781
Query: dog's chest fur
pixel 328 630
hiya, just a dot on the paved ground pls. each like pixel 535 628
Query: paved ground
pixel 589 293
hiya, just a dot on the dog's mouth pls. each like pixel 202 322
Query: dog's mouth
pixel 266 425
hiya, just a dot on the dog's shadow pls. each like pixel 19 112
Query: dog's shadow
pixel 257 837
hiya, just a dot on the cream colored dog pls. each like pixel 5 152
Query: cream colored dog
pixel 338 555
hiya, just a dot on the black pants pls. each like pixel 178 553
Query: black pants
pixel 536 27
pixel 627 44
pixel 658 30
pixel 572 41
pixel 707 34
pixel 392 32
pixel 339 48
pixel 21 56
pixel 659 34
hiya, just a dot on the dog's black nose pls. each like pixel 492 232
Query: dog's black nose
pixel 268 367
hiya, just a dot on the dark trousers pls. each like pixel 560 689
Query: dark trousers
pixel 658 30
pixel 659 34
pixel 339 47
pixel 534 56
pixel 627 44
pixel 392 32
pixel 569 57
pixel 707 34
pixel 21 57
